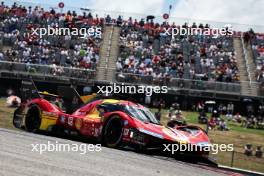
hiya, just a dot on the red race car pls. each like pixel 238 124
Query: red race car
pixel 110 121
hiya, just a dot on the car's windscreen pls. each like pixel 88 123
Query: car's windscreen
pixel 142 114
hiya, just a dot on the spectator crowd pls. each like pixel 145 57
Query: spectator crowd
pixel 221 113
pixel 257 41
pixel 17 24
pixel 146 50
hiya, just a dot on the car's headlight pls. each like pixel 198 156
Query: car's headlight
pixel 151 133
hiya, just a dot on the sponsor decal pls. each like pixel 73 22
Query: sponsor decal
pixel 70 121
pixel 126 132
pixel 62 119
pixel 78 123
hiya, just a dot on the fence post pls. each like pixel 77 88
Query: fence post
pixel 207 127
pixel 232 159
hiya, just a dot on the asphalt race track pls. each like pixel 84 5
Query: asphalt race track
pixel 17 158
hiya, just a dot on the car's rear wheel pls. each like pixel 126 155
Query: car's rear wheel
pixel 112 133
pixel 33 121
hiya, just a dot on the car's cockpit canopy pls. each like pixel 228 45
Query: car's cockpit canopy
pixel 141 113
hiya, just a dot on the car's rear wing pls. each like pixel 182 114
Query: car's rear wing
pixel 28 90
pixel 72 99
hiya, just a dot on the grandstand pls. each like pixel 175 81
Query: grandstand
pixel 130 51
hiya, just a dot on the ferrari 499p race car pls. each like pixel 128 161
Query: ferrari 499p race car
pixel 111 122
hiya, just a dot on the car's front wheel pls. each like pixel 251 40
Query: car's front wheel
pixel 112 133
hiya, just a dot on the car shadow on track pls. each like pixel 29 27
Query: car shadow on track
pixel 157 153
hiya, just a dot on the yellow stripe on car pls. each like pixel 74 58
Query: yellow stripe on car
pixel 47 121
pixel 111 101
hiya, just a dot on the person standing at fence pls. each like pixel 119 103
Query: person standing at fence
pixel 230 110
pixel 259 152
pixel 147 100
pixel 158 114
pixel 248 150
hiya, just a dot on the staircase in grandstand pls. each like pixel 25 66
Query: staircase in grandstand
pixel 253 87
pixel 113 54
pixel 252 70
pixel 104 54
pixel 108 53
pixel 251 63
pixel 247 85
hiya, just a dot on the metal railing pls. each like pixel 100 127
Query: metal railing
pixel 128 78
pixel 189 84
pixel 47 70
pixel 213 86
pixel 109 48
pixel 246 58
